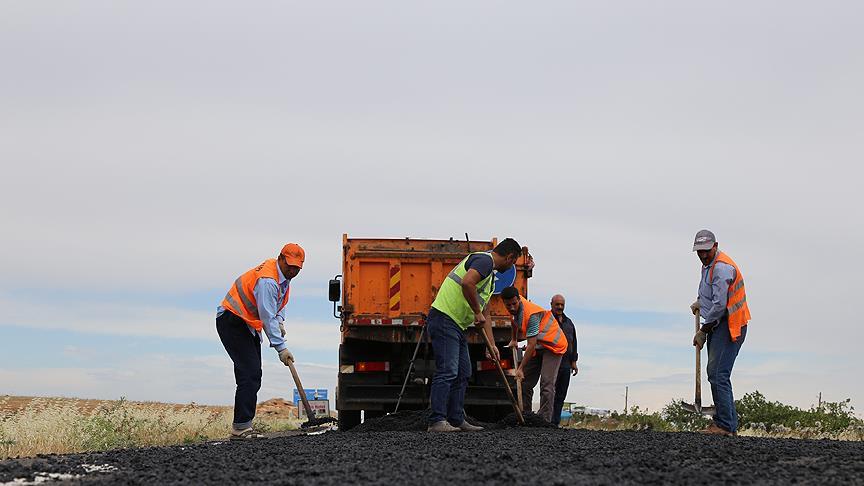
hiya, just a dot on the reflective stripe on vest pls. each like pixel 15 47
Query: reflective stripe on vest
pixel 451 301
pixel 456 278
pixel 240 298
pixel 550 335
pixel 736 303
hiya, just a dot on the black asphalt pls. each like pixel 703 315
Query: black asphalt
pixel 501 456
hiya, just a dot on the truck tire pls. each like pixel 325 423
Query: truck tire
pixel 348 419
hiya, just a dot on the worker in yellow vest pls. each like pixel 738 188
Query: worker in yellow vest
pixel 546 345
pixel 462 301
pixel 722 303
pixel 255 303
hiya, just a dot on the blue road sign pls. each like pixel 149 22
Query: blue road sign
pixel 504 279
pixel 311 394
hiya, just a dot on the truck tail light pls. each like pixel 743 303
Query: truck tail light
pixel 365 366
pixel 489 365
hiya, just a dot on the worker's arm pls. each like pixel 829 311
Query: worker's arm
pixel 487 328
pixel 723 276
pixel 514 333
pixel 529 353
pixel 469 291
pixel 533 329
pixel 574 352
pixel 267 295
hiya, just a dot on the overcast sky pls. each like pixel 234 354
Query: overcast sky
pixel 153 151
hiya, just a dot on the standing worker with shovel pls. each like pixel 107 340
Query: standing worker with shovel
pixel 546 346
pixel 255 303
pixel 722 303
pixel 462 301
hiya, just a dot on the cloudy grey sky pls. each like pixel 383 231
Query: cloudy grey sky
pixel 152 151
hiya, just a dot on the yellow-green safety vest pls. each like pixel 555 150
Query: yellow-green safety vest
pixel 450 299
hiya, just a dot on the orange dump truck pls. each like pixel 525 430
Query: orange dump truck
pixel 387 288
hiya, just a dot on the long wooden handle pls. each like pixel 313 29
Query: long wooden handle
pixel 309 413
pixel 490 346
pixel 518 381
pixel 698 367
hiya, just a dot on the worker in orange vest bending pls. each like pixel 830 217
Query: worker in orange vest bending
pixel 546 345
pixel 722 303
pixel 255 303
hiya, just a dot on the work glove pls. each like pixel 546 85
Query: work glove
pixel 285 356
pixel 694 307
pixel 699 339
pixel 282 328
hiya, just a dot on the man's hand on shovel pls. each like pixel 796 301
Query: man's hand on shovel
pixel 496 356
pixel 699 339
pixel 694 307
pixel 285 357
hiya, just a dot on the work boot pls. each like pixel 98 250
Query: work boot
pixel 245 434
pixel 442 426
pixel 466 427
pixel 715 429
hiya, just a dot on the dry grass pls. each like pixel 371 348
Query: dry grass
pixel 773 431
pixel 30 426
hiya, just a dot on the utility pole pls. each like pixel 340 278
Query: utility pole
pixel 626 396
pixel 820 402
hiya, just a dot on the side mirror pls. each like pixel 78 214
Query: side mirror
pixel 335 289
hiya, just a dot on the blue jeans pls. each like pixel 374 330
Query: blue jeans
pixel 452 369
pixel 721 357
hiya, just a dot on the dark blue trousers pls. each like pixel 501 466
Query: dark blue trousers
pixel 244 348
pixel 722 352
pixel 561 386
pixel 452 369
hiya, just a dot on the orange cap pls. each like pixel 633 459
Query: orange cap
pixel 294 254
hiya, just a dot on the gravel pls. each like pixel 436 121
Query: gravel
pixel 501 456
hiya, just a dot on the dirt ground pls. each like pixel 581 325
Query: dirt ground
pixel 9 405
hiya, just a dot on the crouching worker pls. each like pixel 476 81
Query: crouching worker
pixel 462 301
pixel 546 345
pixel 254 303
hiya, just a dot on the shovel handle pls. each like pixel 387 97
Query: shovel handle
pixel 698 399
pixel 490 347
pixel 309 413
pixel 518 381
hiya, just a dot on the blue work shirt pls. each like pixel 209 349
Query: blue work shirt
pixel 713 292
pixel 269 295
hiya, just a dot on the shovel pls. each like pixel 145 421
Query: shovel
pixel 312 420
pixel 516 408
pixel 697 402
pixel 518 381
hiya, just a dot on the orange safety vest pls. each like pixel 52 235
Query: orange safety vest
pixel 240 298
pixel 736 304
pixel 550 336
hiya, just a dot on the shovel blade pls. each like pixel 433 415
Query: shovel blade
pixel 699 409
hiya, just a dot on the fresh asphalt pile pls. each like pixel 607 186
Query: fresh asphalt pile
pixel 502 456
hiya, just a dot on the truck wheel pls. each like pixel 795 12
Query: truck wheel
pixel 348 419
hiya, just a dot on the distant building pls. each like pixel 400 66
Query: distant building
pixel 581 409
